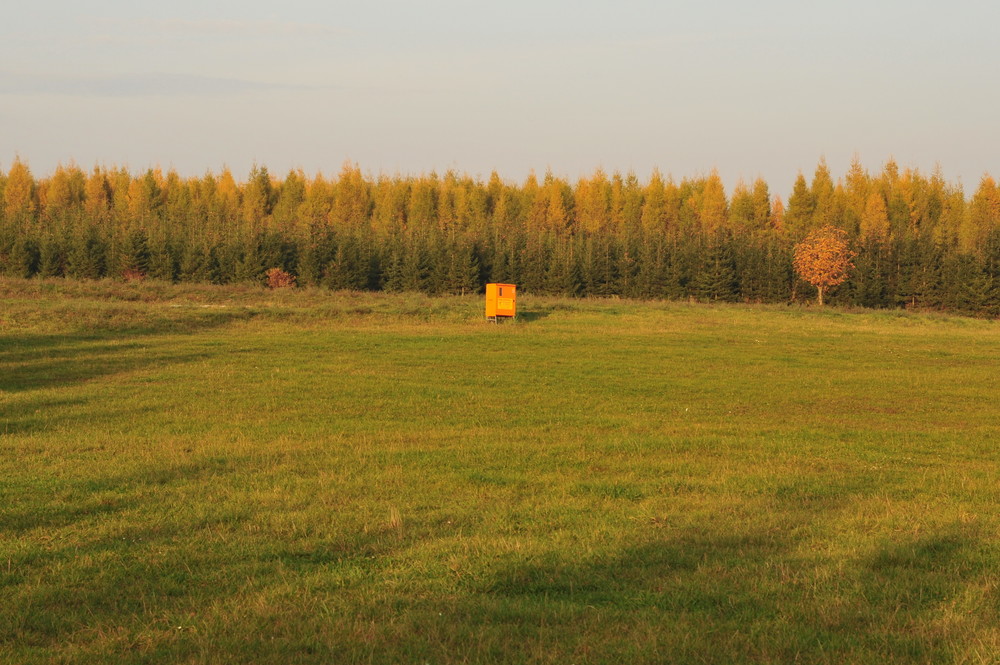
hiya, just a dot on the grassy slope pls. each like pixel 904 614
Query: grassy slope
pixel 205 475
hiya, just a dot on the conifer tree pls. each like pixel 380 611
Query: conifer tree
pixel 97 196
pixel 778 215
pixel 86 257
pixel 913 191
pixel 19 193
pixel 134 256
pixel 651 278
pixel 316 252
pixel 937 193
pixel 25 257
pixel 713 209
pixel 626 205
pixel 227 202
pixel 874 222
pixel 629 256
pixel 314 213
pixel 390 198
pixel 143 196
pixel 194 265
pixel 532 261
pixel 552 209
pixel 56 195
pixel 290 198
pixel 948 231
pixel 982 295
pixel 741 209
pixel 413 271
pixel 352 198
pixel 869 279
pixel 680 263
pixel 346 269
pixel 917 274
pixel 983 216
pixel 600 265
pixel 564 276
pixel 716 278
pixel 857 184
pixel 163 259
pixel 749 263
pixel 447 214
pixel 654 210
pixel 593 203
pixel 51 255
pixel 250 264
pixel 822 194
pixel 177 202
pixel 258 198
pixel 462 272
pixel 801 206
pixel 761 198
pixel 120 182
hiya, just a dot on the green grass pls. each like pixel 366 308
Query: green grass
pixel 208 475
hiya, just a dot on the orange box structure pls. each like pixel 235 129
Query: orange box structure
pixel 501 301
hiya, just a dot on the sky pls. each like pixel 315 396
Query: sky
pixel 752 89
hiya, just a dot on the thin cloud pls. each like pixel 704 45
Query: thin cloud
pixel 265 28
pixel 184 28
pixel 134 85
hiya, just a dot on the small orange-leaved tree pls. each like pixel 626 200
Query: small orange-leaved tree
pixel 823 258
pixel 279 279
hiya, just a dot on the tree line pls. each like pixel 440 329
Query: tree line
pixel 919 240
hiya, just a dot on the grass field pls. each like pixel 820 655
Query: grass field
pixel 210 475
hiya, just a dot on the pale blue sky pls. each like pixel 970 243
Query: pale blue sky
pixel 751 88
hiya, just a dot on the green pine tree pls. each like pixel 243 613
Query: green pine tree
pixel 24 258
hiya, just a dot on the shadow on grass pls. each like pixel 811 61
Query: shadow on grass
pixel 35 415
pixel 750 597
pixel 38 361
pixel 18 519
pixel 653 571
pixel 111 557
pixel 533 315
pixel 750 594
pixel 40 504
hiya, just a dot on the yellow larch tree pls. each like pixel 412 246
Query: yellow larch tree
pixel 559 203
pixel 741 208
pixel 714 208
pixel 823 197
pixel 227 197
pixel 19 192
pixel 352 202
pixel 857 183
pixel 761 205
pixel 875 218
pixel 62 191
pixel 593 202
pixel 778 215
pixel 97 195
pixel 983 215
pixel 654 208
